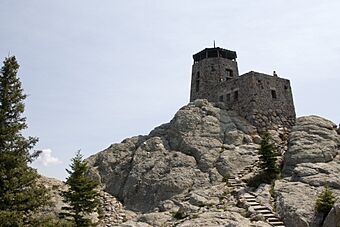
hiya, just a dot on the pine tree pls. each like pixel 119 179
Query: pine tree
pixel 20 193
pixel 81 196
pixel 325 202
pixel 267 157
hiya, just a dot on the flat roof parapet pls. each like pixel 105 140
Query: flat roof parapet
pixel 214 53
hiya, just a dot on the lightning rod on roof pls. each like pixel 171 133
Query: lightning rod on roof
pixel 214 44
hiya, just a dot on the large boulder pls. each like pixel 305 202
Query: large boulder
pixel 221 219
pixel 333 218
pixel 311 162
pixel 312 140
pixel 295 202
pixel 199 146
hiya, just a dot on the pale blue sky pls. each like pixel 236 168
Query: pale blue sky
pixel 99 71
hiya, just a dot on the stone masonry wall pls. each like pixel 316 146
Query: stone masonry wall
pixel 273 106
pixel 266 101
pixel 210 72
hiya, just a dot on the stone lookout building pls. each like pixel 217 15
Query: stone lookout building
pixel 266 101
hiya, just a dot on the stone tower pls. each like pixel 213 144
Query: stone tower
pixel 211 67
pixel 264 100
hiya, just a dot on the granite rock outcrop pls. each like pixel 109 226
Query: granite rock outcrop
pixel 201 145
pixel 192 172
pixel 311 162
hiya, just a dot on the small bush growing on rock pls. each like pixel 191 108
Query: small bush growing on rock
pixel 226 177
pixel 325 202
pixel 179 215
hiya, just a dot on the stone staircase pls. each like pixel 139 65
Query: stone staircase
pixel 250 199
pixel 268 214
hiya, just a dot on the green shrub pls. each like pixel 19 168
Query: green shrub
pixel 50 221
pixel 179 215
pixel 11 218
pixel 226 177
pixel 268 154
pixel 325 202
pixel 268 163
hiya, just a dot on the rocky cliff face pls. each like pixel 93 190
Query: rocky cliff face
pixel 311 162
pixel 191 172
pixel 196 149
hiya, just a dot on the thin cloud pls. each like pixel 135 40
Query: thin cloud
pixel 47 159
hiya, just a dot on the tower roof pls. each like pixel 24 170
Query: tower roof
pixel 214 53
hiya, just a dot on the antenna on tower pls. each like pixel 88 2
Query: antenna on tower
pixel 214 44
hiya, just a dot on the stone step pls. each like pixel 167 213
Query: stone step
pixel 269 215
pixel 253 203
pixel 232 180
pixel 260 207
pixel 251 199
pixel 276 223
pixel 248 196
pixel 273 219
pixel 237 185
pixel 262 212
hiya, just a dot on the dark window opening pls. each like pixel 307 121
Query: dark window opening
pixel 197 85
pixel 235 95
pixel 213 68
pixel 197 75
pixel 286 87
pixel 229 73
pixel 212 54
pixel 221 98
pixel 228 97
pixel 273 94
